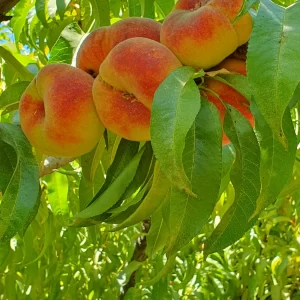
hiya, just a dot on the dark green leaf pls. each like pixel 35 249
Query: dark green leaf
pixel 245 179
pixel 61 7
pixel 152 201
pixel 203 164
pixel 21 191
pixel 41 11
pixel 102 202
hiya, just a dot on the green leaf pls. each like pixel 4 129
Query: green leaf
pixel 273 60
pixel 64 48
pixel 147 9
pixel 125 153
pixel 245 179
pixel 228 157
pixel 203 163
pixel 143 173
pixel 134 8
pixel 18 21
pixel 164 6
pixel 12 94
pixel 276 162
pixel 101 12
pixel 86 16
pixel 92 174
pixel 58 194
pixel 152 201
pixel 22 71
pixel 158 234
pixel 246 7
pixel 61 7
pixel 102 202
pixel 238 82
pixel 175 107
pixel 19 181
pixel 41 11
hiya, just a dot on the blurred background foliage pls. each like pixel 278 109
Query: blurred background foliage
pixel 53 261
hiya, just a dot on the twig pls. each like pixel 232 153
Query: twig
pixel 51 164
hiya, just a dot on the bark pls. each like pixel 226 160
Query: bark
pixel 5 7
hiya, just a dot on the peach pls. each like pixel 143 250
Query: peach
pixel 100 42
pixel 227 93
pixel 57 113
pixel 201 33
pixel 124 89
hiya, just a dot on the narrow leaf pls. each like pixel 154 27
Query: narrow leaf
pixel 175 107
pixel 41 11
pixel 101 12
pixel 273 60
pixel 61 7
pixel 276 161
pixel 58 194
pixel 152 201
pixel 24 74
pixel 245 179
pixel 113 193
pixel 158 234
pixel 203 164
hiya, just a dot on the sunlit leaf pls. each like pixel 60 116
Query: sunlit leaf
pixel 175 107
pixel 22 71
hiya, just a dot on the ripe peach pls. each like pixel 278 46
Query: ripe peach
pixel 57 112
pixel 227 93
pixel 124 89
pixel 100 42
pixel 201 33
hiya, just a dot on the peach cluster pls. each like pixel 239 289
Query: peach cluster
pixel 64 110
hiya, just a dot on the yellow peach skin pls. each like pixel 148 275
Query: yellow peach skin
pixel 100 42
pixel 57 112
pixel 124 89
pixel 227 93
pixel 201 33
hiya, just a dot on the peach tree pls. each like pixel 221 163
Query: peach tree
pixel 136 132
